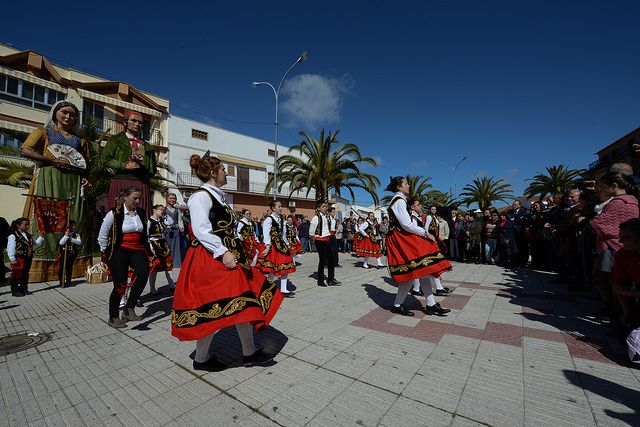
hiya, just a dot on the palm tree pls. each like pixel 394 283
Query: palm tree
pixel 559 179
pixel 14 171
pixel 419 189
pixel 485 191
pixel 439 198
pixel 318 165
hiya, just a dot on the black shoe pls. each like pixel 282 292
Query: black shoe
pixel 139 304
pixel 435 309
pixel 418 293
pixel 291 287
pixel 211 365
pixel 17 294
pixel 443 292
pixel 334 282
pixel 288 294
pixel 27 292
pixel 338 266
pixel 322 283
pixel 401 310
pixel 258 358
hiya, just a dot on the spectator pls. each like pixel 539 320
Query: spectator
pixel 626 273
pixel 475 237
pixel 384 229
pixel 507 248
pixel 491 236
pixel 303 234
pixel 617 207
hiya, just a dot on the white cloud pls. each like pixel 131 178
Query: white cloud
pixel 313 101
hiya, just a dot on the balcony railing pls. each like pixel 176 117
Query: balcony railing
pixel 112 127
pixel 186 179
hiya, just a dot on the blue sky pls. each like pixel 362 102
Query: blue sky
pixel 513 85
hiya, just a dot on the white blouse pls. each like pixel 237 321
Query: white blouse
pixel 399 209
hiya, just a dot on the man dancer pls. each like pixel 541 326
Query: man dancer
pixel 320 234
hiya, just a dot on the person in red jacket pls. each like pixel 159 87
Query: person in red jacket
pixel 619 204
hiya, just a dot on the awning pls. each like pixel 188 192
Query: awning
pixel 16 126
pixel 240 161
pixel 33 79
pixel 119 103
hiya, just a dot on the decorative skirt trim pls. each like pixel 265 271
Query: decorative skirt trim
pixel 224 308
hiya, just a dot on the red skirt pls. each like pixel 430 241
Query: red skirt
pixel 410 256
pixel 251 247
pixel 296 248
pixel 209 297
pixel 162 260
pixel 275 262
pixel 366 248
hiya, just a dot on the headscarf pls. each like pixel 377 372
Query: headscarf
pixel 52 116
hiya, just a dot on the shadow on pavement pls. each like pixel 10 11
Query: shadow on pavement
pixel 386 299
pixel 568 312
pixel 609 390
pixel 228 350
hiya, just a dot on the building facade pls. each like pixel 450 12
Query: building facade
pixel 619 151
pixel 248 160
pixel 29 86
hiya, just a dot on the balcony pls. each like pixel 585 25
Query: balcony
pixel 233 185
pixel 112 127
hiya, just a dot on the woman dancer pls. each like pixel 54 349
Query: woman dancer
pixel 292 238
pixel 275 259
pixel 419 217
pixel 123 239
pixel 247 233
pixel 412 252
pixel 57 178
pixel 175 228
pixel 217 286
pixel 368 242
pixel 162 259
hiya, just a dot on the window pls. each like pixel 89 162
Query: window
pixel 231 170
pixel 29 94
pixel 11 140
pixel 271 153
pixel 199 134
pixel 92 111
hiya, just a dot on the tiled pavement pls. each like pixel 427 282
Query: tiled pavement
pixel 515 350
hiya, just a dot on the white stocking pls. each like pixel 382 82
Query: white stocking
pixel 403 291
pixel 283 284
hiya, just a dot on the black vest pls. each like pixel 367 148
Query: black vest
pixel 24 247
pixel 225 223
pixel 71 248
pixel 394 224
pixel 115 235
pixel 276 235
pixel 157 228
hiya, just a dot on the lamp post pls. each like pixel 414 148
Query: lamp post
pixel 454 170
pixel 276 92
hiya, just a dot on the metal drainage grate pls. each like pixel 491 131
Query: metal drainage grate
pixel 14 343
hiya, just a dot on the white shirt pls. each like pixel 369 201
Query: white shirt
pixel 75 240
pixel 363 228
pixel 399 209
pixel 326 229
pixel 131 224
pixel 11 244
pixel 428 222
pixel 266 226
pixel 200 205
pixel 244 222
pixel 334 224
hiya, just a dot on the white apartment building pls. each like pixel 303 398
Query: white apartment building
pixel 248 160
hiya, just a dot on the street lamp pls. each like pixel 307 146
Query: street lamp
pixel 454 170
pixel 276 92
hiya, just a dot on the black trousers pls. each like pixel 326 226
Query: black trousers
pixel 334 249
pixel 68 267
pixel 119 266
pixel 20 283
pixel 325 255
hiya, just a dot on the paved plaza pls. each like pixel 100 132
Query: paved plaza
pixel 515 350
